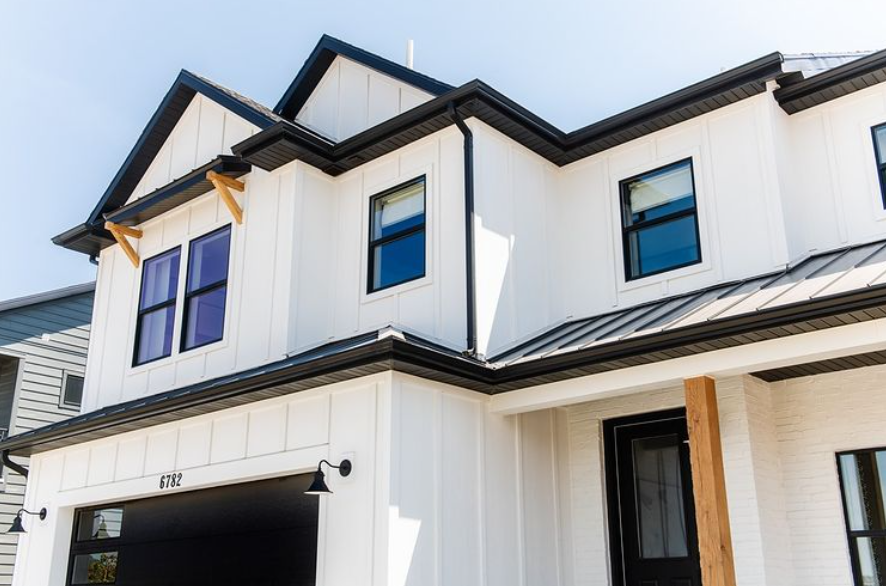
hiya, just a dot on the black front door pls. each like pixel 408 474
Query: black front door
pixel 651 510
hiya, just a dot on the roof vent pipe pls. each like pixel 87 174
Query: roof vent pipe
pixel 410 53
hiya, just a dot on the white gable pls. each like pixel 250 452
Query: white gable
pixel 351 98
pixel 204 131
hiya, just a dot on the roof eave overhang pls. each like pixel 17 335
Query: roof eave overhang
pixel 178 192
pixel 285 142
pixel 834 83
pixel 372 354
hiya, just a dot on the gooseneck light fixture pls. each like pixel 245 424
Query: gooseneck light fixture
pixel 17 526
pixel 319 487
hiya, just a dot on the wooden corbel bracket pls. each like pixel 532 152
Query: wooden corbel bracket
pixel 223 184
pixel 120 232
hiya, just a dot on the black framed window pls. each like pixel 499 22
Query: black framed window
pixel 879 134
pixel 95 546
pixel 72 391
pixel 659 221
pixel 156 307
pixel 207 288
pixel 863 483
pixel 397 235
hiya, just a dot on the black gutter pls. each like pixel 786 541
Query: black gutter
pixel 470 287
pixel 371 353
pixel 833 83
pixel 4 455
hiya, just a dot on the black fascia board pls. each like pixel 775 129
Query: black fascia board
pixel 178 192
pixel 372 353
pixel 557 146
pixel 833 83
pixel 325 52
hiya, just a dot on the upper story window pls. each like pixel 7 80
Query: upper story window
pixel 156 307
pixel 863 483
pixel 207 288
pixel 203 314
pixel 659 221
pixel 72 391
pixel 879 133
pixel 397 236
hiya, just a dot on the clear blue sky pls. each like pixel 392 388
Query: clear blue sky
pixel 79 80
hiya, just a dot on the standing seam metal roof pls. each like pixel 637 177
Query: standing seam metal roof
pixel 817 277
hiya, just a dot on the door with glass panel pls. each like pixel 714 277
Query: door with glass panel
pixel 863 481
pixel 653 536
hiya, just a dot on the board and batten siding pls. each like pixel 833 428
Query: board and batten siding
pixel 39 344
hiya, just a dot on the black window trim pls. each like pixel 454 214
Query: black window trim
pixel 140 312
pixel 93 546
pixel 851 534
pixel 881 167
pixel 205 289
pixel 626 230
pixel 61 397
pixel 373 244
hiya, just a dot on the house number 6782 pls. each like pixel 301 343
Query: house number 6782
pixel 171 480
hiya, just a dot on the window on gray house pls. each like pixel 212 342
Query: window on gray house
pixel 156 307
pixel 397 236
pixel 863 482
pixel 72 391
pixel 659 221
pixel 879 133
pixel 204 317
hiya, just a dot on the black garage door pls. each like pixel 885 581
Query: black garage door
pixel 256 534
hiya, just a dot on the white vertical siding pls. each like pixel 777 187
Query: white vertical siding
pixel 205 131
pixel 351 98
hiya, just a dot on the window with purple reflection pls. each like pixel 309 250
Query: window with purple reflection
pixel 156 307
pixel 207 288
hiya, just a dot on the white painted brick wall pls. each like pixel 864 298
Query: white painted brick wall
pixel 753 477
pixel 817 417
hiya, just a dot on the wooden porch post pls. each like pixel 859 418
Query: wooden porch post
pixel 709 483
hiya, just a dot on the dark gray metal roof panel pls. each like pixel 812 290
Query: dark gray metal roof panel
pixel 815 278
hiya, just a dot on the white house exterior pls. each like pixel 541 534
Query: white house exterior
pixel 503 327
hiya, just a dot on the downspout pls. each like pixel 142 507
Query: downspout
pixel 4 455
pixel 471 291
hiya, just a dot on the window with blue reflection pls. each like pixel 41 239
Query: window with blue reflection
pixel 660 221
pixel 397 236
pixel 879 133
pixel 156 307
pixel 206 291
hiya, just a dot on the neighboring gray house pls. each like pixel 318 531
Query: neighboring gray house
pixel 43 344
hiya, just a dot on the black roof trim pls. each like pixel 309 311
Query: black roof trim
pixel 327 49
pixel 47 296
pixel 833 83
pixel 90 236
pixel 391 350
pixel 84 238
pixel 286 142
pixel 180 191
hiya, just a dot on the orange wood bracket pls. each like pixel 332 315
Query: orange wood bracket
pixel 120 232
pixel 223 184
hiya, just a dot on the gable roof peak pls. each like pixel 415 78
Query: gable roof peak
pixel 320 59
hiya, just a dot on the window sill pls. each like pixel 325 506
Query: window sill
pixel 658 278
pixel 396 289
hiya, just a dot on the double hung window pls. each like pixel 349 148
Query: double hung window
pixel 397 236
pixel 659 221
pixel 863 482
pixel 879 133
pixel 204 318
pixel 156 307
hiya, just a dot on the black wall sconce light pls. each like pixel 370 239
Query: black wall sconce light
pixel 319 487
pixel 17 526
